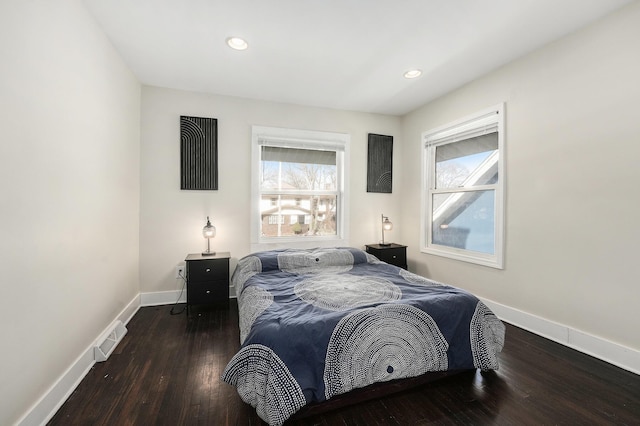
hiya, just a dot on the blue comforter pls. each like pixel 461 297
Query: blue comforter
pixel 318 323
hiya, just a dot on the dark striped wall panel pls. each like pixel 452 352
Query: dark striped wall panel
pixel 379 163
pixel 198 153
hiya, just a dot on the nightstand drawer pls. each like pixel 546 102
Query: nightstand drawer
pixel 208 270
pixel 394 256
pixel 209 292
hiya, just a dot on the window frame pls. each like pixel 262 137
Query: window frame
pixel 465 128
pixel 300 139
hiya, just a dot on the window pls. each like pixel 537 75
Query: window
pixel 463 184
pixel 274 220
pixel 298 184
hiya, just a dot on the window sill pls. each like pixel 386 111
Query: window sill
pixel 492 261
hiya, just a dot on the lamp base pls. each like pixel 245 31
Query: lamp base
pixel 384 244
pixel 208 253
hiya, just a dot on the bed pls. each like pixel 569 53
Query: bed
pixel 318 323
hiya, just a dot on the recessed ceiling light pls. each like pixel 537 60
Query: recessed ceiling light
pixel 413 73
pixel 237 43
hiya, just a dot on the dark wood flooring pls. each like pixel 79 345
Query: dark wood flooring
pixel 166 371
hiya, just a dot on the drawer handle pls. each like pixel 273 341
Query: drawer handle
pixel 208 291
pixel 395 257
pixel 208 270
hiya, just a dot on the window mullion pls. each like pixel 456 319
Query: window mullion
pixel 464 189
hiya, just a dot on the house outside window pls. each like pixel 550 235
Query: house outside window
pixel 274 220
pixel 299 178
pixel 463 185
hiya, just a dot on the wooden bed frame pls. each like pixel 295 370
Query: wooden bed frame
pixel 373 391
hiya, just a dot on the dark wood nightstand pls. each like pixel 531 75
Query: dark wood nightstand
pixel 207 279
pixel 394 254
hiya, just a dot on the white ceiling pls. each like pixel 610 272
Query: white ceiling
pixel 345 54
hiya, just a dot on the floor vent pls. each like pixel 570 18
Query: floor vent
pixel 108 342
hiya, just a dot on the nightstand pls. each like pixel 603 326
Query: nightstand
pixel 394 254
pixel 207 279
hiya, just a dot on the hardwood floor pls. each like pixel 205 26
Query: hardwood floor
pixel 166 371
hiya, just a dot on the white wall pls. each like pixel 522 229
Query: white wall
pixel 69 193
pixel 172 219
pixel 81 164
pixel 572 203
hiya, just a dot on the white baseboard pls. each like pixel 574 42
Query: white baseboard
pixel 613 353
pixel 163 298
pixel 47 406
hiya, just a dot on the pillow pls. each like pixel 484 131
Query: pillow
pixel 297 261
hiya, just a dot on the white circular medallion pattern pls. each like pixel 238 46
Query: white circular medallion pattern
pixel 252 303
pixel 346 291
pixel 247 267
pixel 264 382
pixel 319 261
pixel 380 344
pixel 487 338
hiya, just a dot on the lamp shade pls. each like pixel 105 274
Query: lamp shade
pixel 209 231
pixel 386 226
